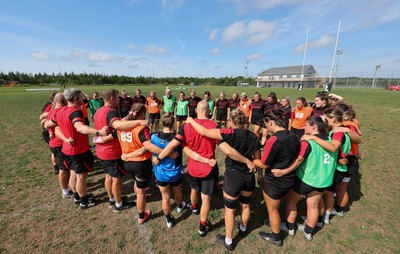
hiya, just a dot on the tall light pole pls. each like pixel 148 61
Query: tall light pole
pixel 375 80
pixel 338 53
pixel 246 68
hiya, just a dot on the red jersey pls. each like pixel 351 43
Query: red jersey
pixel 65 119
pixel 54 142
pixel 105 116
pixel 201 145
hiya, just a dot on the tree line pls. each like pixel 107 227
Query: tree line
pixel 104 79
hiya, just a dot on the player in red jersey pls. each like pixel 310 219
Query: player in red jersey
pixel 110 152
pixel 55 145
pixel 193 101
pixel 202 176
pixel 239 181
pixel 78 155
pixel 257 109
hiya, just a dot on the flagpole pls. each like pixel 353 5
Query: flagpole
pixel 304 59
pixel 334 51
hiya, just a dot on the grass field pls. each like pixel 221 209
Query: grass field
pixel 34 218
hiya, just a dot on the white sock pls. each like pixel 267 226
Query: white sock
pixel 228 240
pixel 243 228
pixel 112 199
pixel 65 191
pixel 118 204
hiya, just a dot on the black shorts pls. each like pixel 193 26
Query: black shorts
pixel 139 169
pixel 46 135
pixel 299 132
pixel 181 118
pixel 154 118
pixel 236 181
pixel 173 184
pixel 60 158
pixel 258 122
pixel 302 188
pixel 80 163
pixel 222 115
pixel 114 168
pixel 277 188
pixel 352 166
pixel 206 185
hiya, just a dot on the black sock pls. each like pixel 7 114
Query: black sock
pixel 308 229
pixel 168 217
pixel 275 237
pixel 76 196
pixel 320 219
pixel 180 205
pixel 289 225
pixel 141 215
pixel 338 208
pixel 56 169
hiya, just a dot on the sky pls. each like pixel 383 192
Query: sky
pixel 197 38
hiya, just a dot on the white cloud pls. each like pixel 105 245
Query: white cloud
pixel 378 19
pixel 323 41
pixel 42 56
pixel 103 57
pixel 213 34
pixel 253 32
pixel 172 4
pixel 257 5
pixel 253 57
pixel 155 49
pixel 215 51
pixel 93 57
pixel 131 46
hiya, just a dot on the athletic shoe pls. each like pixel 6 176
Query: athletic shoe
pixel 221 240
pixel 147 214
pixel 334 212
pixel 69 195
pixel 241 232
pixel 179 210
pixel 319 224
pixel 194 211
pixel 125 205
pixel 302 229
pixel 78 201
pixel 283 227
pixel 286 229
pixel 89 204
pixel 171 223
pixel 111 204
pixel 268 237
pixel 206 229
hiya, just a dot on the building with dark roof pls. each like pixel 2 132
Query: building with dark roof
pixel 289 77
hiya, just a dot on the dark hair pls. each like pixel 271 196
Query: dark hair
pixel 51 96
pixel 323 97
pixel 207 93
pixel 335 112
pixel 107 94
pixel 322 125
pixel 276 115
pixel 345 108
pixel 303 100
pixel 137 110
pixel 168 120
pixel 351 114
pixel 272 95
pixel 182 92
pixel 238 118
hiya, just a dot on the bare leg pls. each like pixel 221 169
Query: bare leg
pixel 273 211
pixel 117 189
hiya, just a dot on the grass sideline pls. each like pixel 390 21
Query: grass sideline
pixel 34 218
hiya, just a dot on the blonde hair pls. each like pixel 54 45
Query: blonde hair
pixel 137 110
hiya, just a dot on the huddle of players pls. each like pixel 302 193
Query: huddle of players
pixel 315 159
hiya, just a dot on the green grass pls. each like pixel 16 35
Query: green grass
pixel 34 218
